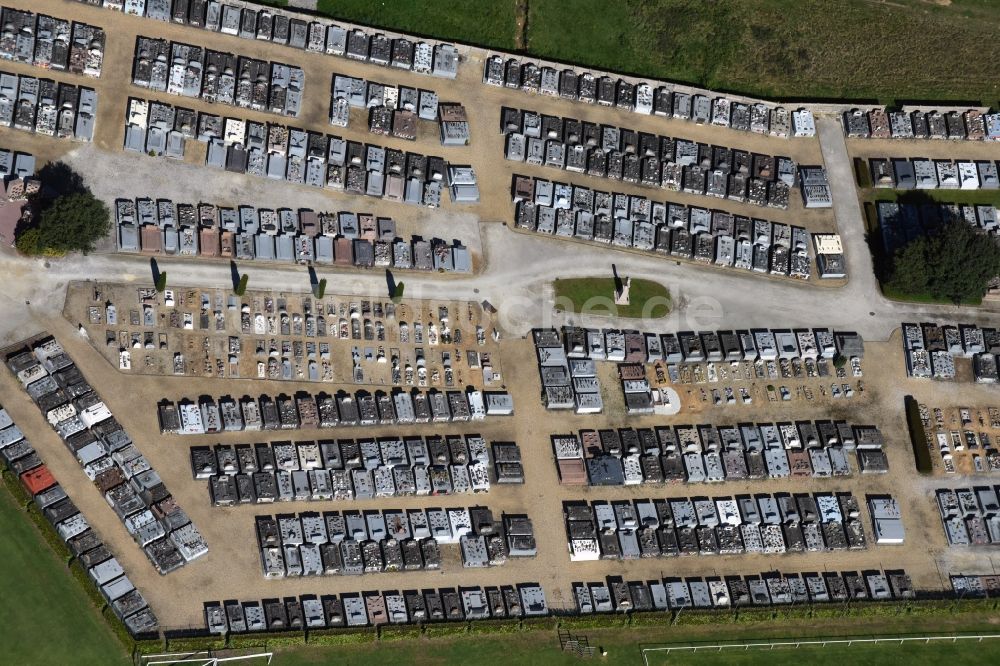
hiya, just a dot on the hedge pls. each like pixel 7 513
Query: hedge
pixel 49 534
pixel 196 643
pixel 341 637
pixel 751 615
pixel 505 626
pixel 918 436
pixel 246 641
pixel 594 621
pixel 399 632
pixel 446 629
pixel 151 646
pixel 118 628
pixel 19 492
pixel 77 571
pixel 281 639
pixel 700 617
pixel 531 623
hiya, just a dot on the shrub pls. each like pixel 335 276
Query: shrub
pixel 397 293
pixel 26 242
pixel 341 637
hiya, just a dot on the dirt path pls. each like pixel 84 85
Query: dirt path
pixel 521 18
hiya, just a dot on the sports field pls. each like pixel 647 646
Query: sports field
pixel 46 617
pixel 968 653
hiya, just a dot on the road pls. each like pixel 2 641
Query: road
pixel 517 269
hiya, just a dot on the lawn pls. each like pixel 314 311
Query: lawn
pixel 849 49
pixel 783 49
pixel 489 23
pixel 45 616
pixel 648 299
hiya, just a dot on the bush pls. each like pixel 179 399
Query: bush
pixel 26 242
pixel 399 632
pixel 241 288
pixel 446 629
pixel 341 637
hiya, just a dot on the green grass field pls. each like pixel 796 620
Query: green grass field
pixel 489 23
pixel 648 299
pixel 785 49
pixel 45 616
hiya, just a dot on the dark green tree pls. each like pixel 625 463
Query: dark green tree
pixel 321 288
pixel 241 288
pixel 397 294
pixel 72 223
pixel 161 282
pixel 956 263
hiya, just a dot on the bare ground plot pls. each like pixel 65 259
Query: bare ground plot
pixel 203 328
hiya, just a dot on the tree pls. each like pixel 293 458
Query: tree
pixel 161 282
pixel 955 263
pixel 241 288
pixel 71 223
pixel 397 294
pixel 321 288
